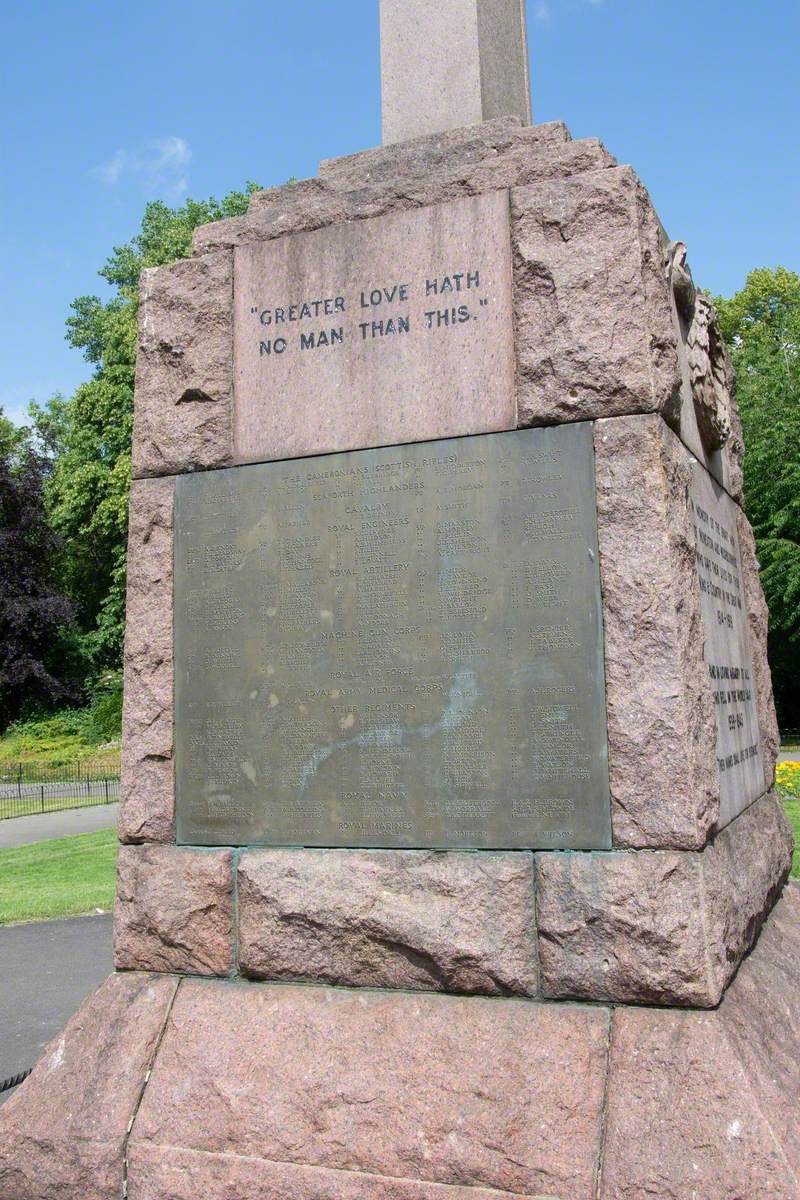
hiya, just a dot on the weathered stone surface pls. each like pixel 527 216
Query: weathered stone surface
pixel 623 926
pixel 705 1104
pixel 174 910
pixel 758 619
pixel 62 1134
pixel 726 645
pixel 440 152
pixel 659 699
pixel 595 336
pixel 744 869
pixel 352 190
pixel 451 64
pixel 424 1089
pixel 147 809
pixel 660 927
pixel 455 922
pixel 455 379
pixel 184 367
pixel 166 1173
pixel 761 1019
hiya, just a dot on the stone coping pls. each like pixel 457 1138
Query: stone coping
pixel 179 1088
pixel 595 331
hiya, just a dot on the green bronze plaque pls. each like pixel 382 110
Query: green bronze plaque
pixel 393 647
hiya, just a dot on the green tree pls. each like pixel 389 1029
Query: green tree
pixel 34 615
pixel 14 439
pixel 87 437
pixel 761 324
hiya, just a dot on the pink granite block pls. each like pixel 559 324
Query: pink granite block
pixel 470 1093
pixel 705 1104
pixel 433 154
pixel 63 1132
pixel 425 171
pixel 167 1173
pixel 174 910
pixel 761 1019
pixel 184 366
pixel 456 379
pixel 595 336
pixel 661 723
pixel 455 922
pixel 660 927
pixel 147 810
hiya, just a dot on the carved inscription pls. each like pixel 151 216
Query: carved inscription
pixel 394 647
pixel 727 648
pixel 381 331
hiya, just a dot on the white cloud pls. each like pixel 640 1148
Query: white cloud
pixel 160 164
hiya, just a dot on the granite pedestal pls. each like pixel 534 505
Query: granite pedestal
pixel 608 1015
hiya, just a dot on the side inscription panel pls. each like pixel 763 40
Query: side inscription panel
pixel 727 645
pixel 394 647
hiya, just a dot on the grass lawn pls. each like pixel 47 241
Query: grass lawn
pixel 58 878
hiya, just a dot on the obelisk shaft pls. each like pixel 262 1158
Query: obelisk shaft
pixel 450 63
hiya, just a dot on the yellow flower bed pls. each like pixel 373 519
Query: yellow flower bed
pixel 787 777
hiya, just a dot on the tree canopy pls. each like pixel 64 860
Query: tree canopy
pixel 35 617
pixel 761 325
pixel 87 437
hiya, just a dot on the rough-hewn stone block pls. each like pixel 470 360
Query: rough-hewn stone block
pixel 455 922
pixel 184 366
pixel 467 1092
pixel 705 1104
pixel 357 191
pixel 63 1133
pixel 455 148
pixel 174 910
pixel 595 336
pixel 147 811
pixel 660 927
pixel 661 725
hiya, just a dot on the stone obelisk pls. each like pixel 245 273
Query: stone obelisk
pixel 452 63
pixel 451 864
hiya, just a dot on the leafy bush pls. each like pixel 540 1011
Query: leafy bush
pixel 787 777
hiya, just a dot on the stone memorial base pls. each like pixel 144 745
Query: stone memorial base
pixel 170 1088
pixel 391 1020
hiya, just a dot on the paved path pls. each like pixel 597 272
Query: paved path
pixel 47 969
pixel 789 756
pixel 21 831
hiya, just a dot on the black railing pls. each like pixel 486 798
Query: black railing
pixel 28 788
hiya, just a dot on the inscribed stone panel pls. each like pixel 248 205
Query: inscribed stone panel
pixel 727 646
pixel 375 332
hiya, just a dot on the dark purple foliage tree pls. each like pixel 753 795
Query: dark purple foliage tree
pixel 33 613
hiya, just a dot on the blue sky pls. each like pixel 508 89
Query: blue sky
pixel 106 106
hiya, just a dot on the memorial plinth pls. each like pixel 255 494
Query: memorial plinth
pixel 449 740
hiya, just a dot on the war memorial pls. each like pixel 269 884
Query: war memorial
pixel 451 867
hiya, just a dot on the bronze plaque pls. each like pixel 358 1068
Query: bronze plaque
pixel 393 647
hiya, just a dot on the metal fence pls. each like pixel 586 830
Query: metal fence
pixel 27 788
